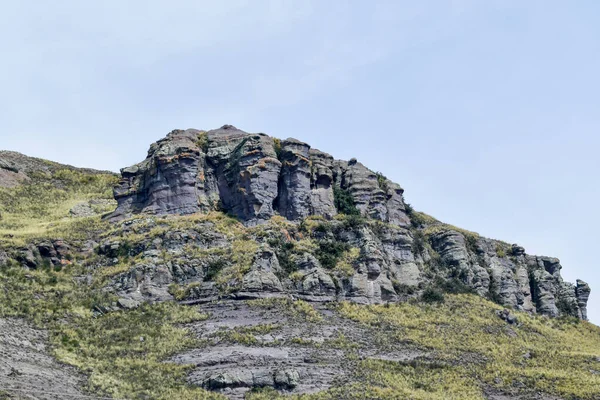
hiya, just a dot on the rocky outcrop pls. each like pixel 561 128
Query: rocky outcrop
pixel 294 201
pixel 462 264
pixel 251 176
pixel 582 292
pixel 507 275
pixel 313 282
pixel 375 196
pixel 165 182
pixel 255 177
pixel 321 184
pixel 261 280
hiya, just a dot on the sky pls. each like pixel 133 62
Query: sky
pixel 486 112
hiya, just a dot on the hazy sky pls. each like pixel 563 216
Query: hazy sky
pixel 486 112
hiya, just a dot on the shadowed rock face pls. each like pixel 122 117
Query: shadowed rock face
pixel 254 177
pixel 251 177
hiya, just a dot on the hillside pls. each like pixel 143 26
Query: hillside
pixel 235 265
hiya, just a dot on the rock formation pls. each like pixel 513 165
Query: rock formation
pixel 251 176
pixel 255 177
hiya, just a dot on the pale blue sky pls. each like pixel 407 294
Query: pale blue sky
pixel 486 112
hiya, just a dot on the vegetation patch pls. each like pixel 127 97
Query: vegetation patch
pixel 41 207
pixel 550 355
pixel 202 141
pixel 382 181
pixel 330 252
pixel 277 147
pixel 125 351
pixel 344 202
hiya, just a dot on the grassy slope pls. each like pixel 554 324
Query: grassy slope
pixel 122 352
pixel 107 348
pixel 40 207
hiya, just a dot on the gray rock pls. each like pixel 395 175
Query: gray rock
pixel 583 293
pixel 47 250
pixel 360 289
pixel 517 250
pixel 229 169
pixel 544 293
pixel 164 183
pixel 384 203
pixel 144 282
pixel 294 201
pixel 29 367
pixel 83 209
pixel 316 285
pixel 321 195
pixel 507 316
pixel 259 281
pixel 262 278
pixel 4 258
pixel 452 248
pixel 287 378
pixel 247 176
pixel 128 303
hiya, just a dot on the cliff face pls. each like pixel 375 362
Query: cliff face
pixel 366 245
pixel 251 176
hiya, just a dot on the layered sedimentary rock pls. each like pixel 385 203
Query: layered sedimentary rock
pixel 251 176
pixel 254 177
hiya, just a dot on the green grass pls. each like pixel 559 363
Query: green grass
pixel 109 348
pixel 344 202
pixel 40 207
pixel 562 352
pixel 246 336
pixel 124 352
pixel 470 349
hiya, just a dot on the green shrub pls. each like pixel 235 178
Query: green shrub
pixel 432 295
pixel 567 308
pixel 277 147
pixel 353 221
pixel 453 286
pixel 213 268
pixel 344 202
pixel 202 141
pixel 403 289
pixel 471 242
pixel 284 251
pixel 382 181
pixel 419 219
pixel 419 242
pixel 500 251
